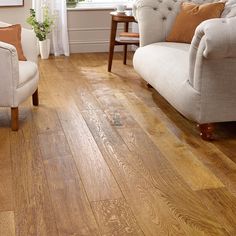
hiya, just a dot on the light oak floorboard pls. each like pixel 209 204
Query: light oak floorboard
pixel 72 209
pixel 33 209
pixel 138 186
pixel 116 218
pixel 6 175
pixel 182 159
pixel 97 178
pixel 7 223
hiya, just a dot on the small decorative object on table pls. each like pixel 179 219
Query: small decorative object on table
pixel 42 29
pixel 71 3
pixel 120 8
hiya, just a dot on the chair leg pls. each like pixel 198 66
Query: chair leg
pixel 14 118
pixel 206 131
pixel 35 98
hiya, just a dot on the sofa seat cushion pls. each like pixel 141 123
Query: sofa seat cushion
pixel 165 66
pixel 164 63
pixel 27 71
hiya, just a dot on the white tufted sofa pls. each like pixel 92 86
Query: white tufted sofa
pixel 198 79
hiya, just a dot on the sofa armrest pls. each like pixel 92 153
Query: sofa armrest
pixel 220 37
pixel 9 67
pixel 29 45
pixel 214 39
pixel 155 19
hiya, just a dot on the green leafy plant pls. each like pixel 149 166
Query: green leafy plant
pixel 41 29
pixel 71 3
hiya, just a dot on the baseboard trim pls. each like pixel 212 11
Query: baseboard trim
pixel 88 42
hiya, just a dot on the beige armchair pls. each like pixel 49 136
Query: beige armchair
pixel 18 79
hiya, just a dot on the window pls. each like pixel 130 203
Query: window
pixel 106 1
pixel 97 4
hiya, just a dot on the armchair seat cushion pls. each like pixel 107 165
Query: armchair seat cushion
pixel 27 71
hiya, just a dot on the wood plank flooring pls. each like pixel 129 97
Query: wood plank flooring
pixel 104 155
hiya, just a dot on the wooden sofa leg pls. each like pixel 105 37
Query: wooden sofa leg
pixel 206 131
pixel 14 119
pixel 35 98
pixel 149 85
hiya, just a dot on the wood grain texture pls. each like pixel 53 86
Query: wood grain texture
pixel 7 223
pixel 97 178
pixel 53 145
pixel 46 120
pixel 183 160
pixel 72 210
pixel 136 182
pixel 98 181
pixel 6 175
pixel 73 214
pixel 223 206
pixel 178 199
pixel 116 218
pixel 113 107
pixel 33 209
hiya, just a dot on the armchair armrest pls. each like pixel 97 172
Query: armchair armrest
pixel 29 45
pixel 9 67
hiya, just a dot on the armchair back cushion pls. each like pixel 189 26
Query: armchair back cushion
pixel 190 16
pixel 12 35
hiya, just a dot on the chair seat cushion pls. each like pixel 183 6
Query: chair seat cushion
pixel 27 71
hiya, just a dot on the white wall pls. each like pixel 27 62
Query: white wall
pixel 89 30
pixel 16 15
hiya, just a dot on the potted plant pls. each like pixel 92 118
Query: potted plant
pixel 42 29
pixel 71 3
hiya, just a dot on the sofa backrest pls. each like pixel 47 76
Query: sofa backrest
pixel 156 17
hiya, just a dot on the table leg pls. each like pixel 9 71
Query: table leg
pixel 112 43
pixel 126 29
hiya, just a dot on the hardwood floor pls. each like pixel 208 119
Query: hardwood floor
pixel 105 155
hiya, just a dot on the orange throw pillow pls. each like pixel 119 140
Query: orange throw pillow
pixel 12 35
pixel 190 16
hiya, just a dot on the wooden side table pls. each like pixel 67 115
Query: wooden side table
pixel 116 18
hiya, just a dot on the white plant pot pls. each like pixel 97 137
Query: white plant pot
pixel 44 48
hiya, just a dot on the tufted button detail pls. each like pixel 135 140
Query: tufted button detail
pixel 163 18
pixel 170 8
pixel 155 8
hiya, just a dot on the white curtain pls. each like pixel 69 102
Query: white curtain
pixel 59 36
